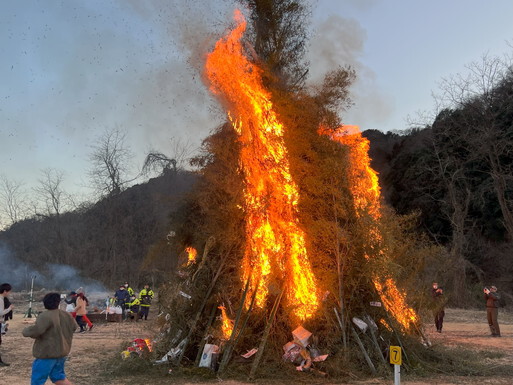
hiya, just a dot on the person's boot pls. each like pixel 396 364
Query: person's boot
pixel 3 363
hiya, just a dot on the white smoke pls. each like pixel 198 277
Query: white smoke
pixel 57 277
pixel 339 42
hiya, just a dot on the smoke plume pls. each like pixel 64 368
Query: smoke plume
pixel 339 42
pixel 56 277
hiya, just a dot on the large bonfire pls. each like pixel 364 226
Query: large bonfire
pixel 290 220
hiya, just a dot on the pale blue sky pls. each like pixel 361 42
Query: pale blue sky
pixel 70 69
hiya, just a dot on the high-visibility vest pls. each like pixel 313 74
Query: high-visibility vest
pixel 146 296
pixel 135 302
pixel 130 291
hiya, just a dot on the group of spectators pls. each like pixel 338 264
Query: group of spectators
pixel 54 328
pixel 491 297
pixel 133 306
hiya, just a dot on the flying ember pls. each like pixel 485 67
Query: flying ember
pixel 275 252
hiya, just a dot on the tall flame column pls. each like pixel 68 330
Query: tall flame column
pixel 275 244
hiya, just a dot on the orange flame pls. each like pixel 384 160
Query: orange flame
pixel 275 248
pixel 367 198
pixel 226 323
pixel 385 324
pixel 191 255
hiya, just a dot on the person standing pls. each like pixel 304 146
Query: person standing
pixel 5 290
pixel 53 334
pixel 122 298
pixel 492 309
pixel 7 317
pixel 129 289
pixel 145 297
pixel 81 311
pixel 438 306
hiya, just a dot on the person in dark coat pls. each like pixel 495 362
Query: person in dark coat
pixel 122 298
pixel 492 309
pixel 7 304
pixel 5 290
pixel 438 306
pixel 7 317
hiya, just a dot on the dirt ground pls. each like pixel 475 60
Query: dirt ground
pixel 465 328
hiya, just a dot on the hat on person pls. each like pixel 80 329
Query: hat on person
pixel 72 293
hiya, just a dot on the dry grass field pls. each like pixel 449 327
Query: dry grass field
pixel 93 351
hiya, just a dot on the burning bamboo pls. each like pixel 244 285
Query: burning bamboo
pixel 229 346
pixel 276 239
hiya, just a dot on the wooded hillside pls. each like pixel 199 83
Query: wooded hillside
pixel 108 240
pixel 457 174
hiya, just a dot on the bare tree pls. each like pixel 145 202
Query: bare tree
pixel 456 204
pixel 52 200
pixel 110 158
pixel 483 94
pixel 181 153
pixel 13 204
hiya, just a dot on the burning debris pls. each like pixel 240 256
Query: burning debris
pixel 191 255
pixel 295 234
pixel 137 348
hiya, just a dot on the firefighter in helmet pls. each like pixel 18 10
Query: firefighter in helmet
pixel 145 297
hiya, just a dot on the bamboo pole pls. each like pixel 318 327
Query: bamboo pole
pixel 239 334
pixel 229 346
pixel 265 336
pixel 338 319
pixel 204 341
pixel 375 341
pixel 340 273
pixel 364 351
pixel 398 338
pixel 253 298
pixel 198 314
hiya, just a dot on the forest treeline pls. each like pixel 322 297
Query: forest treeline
pixel 457 174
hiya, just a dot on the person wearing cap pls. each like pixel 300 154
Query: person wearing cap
pixel 145 296
pixel 492 309
pixel 122 298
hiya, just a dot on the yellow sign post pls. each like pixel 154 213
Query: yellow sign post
pixel 396 359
